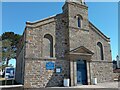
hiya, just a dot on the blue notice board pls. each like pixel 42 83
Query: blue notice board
pixel 50 66
pixel 9 73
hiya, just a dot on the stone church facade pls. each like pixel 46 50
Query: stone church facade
pixel 66 45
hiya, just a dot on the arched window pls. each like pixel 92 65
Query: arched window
pixel 79 21
pixel 48 46
pixel 100 50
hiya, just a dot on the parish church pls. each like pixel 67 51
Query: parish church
pixel 66 45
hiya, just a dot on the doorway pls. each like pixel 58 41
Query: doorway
pixel 81 72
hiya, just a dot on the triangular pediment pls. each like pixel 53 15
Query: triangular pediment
pixel 82 50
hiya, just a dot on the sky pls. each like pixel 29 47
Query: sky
pixel 119 28
pixel 104 15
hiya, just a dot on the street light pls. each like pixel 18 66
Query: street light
pixel 117 58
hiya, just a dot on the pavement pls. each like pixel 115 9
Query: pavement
pixel 106 85
pixel 99 86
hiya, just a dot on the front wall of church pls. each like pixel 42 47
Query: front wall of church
pixel 88 37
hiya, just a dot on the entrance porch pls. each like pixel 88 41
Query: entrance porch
pixel 80 66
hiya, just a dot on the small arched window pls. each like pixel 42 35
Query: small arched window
pixel 48 46
pixel 79 21
pixel 99 44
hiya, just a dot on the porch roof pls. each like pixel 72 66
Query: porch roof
pixel 80 53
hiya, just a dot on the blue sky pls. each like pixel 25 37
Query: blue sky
pixel 104 15
pixel 119 28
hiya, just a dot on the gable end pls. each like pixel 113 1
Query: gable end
pixel 99 32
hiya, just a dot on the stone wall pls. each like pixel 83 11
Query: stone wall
pixel 81 10
pixel 37 76
pixel 78 36
pixel 35 59
pixel 20 65
pixel 88 35
pixel 61 36
pixel 57 28
pixel 19 75
pixel 95 37
pixel 102 70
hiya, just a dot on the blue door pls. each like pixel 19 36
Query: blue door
pixel 81 72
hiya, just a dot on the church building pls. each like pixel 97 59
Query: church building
pixel 66 45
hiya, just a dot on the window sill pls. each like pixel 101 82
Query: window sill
pixel 83 29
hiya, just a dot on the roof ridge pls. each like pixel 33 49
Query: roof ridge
pixel 43 19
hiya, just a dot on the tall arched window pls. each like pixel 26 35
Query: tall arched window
pixel 99 44
pixel 48 46
pixel 79 21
